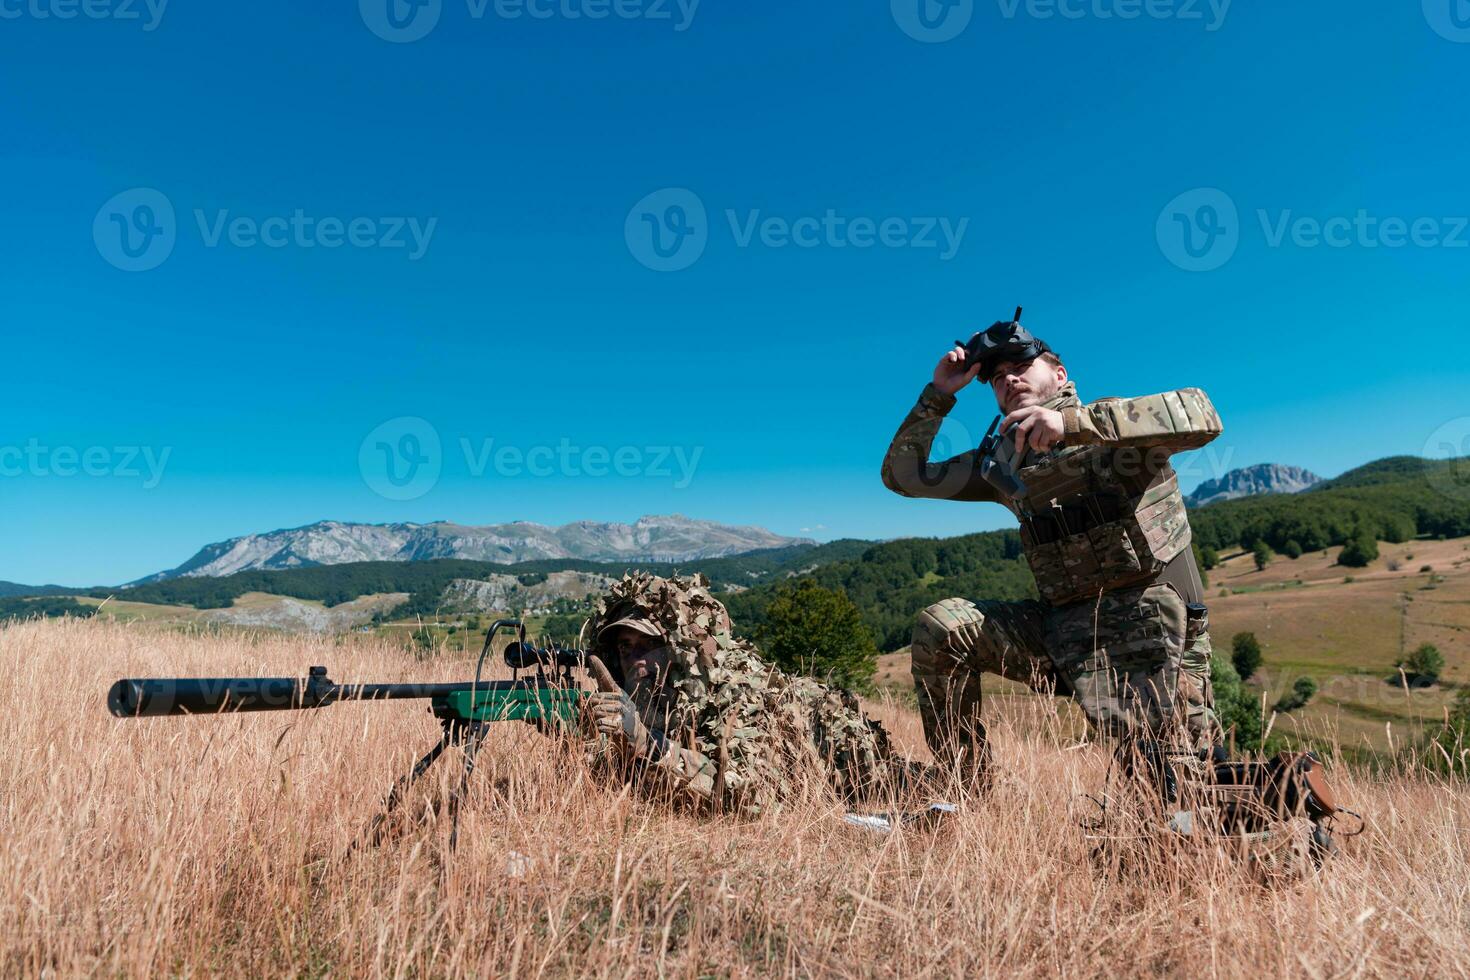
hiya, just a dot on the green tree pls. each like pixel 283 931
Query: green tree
pixel 1301 692
pixel 563 629
pixel 1448 750
pixel 1313 538
pixel 1245 655
pixel 1423 666
pixel 47 606
pixel 1239 712
pixel 1360 549
pixel 813 630
pixel 1208 557
pixel 1292 549
pixel 1262 554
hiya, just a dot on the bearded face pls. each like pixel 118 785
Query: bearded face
pixel 1021 384
pixel 644 661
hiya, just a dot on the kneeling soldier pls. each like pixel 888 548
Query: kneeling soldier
pixel 1120 624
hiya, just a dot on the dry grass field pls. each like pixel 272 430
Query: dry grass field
pixel 208 846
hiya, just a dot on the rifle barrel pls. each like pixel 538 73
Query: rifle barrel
pixel 152 697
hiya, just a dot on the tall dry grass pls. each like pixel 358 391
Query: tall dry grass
pixel 202 846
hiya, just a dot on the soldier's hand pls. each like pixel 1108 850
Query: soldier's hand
pixel 612 713
pixel 1034 426
pixel 952 374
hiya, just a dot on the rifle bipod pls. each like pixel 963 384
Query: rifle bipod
pixel 468 736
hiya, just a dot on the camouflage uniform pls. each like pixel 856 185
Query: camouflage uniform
pixel 1120 624
pixel 742 735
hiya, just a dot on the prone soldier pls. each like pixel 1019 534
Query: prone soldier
pixel 690 708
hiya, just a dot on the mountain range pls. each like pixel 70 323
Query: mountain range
pixel 671 538
pixel 650 539
pixel 1251 481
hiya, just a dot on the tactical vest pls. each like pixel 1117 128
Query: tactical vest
pixel 1096 518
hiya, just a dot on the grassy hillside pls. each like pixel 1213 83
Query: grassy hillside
pixel 1347 635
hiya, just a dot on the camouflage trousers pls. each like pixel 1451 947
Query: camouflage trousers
pixel 1132 659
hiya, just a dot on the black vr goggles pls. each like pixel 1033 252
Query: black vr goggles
pixel 1002 341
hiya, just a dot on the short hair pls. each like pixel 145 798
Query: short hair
pixel 1052 359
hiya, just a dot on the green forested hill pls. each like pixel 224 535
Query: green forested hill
pixel 890 582
pixel 10 589
pixel 1391 469
pixel 1393 499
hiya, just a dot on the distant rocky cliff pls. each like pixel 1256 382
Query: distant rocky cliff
pixel 1252 480
pixel 652 539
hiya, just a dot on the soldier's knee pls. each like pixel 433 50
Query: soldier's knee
pixel 939 631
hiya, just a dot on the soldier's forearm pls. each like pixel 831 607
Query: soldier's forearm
pixel 906 467
pixel 1178 420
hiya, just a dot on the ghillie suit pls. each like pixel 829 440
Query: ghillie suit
pixel 741 735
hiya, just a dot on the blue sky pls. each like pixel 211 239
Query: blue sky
pixel 369 229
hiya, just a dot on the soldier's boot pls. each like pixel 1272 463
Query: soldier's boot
pixel 945 636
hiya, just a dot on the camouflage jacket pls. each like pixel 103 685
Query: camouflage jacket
pixel 1102 510
pixel 744 736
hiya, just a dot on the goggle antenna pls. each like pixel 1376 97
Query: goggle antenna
pixel 1018 315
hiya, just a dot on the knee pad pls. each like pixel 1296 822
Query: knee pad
pixel 940 632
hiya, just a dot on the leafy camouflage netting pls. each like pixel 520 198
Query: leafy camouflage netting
pixel 766 732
